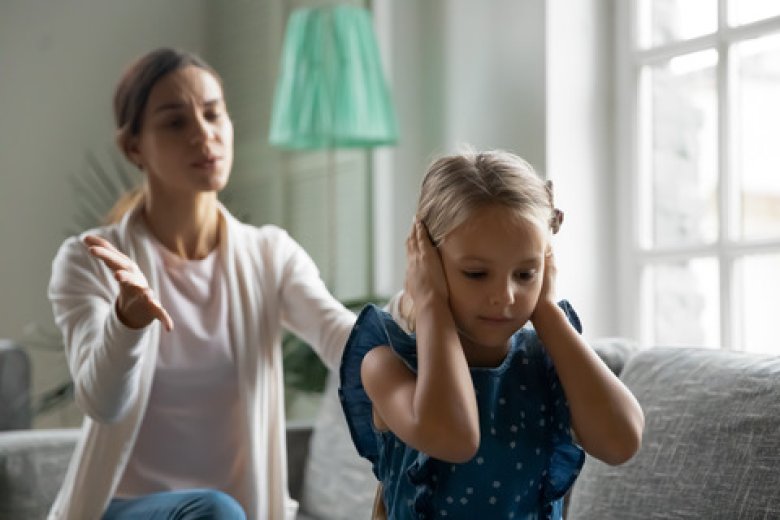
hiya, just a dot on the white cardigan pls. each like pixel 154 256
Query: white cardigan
pixel 272 284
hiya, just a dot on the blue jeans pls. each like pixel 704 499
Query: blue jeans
pixel 185 504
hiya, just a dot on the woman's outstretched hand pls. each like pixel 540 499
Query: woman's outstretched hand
pixel 136 305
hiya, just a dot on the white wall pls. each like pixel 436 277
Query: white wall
pixel 58 67
pixel 580 115
pixel 461 72
pixel 494 76
pixel 532 77
pixel 411 39
pixel 244 45
pixel 59 63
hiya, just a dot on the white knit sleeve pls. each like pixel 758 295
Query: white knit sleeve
pixel 103 354
pixel 307 307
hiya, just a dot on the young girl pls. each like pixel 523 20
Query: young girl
pixel 471 415
pixel 172 319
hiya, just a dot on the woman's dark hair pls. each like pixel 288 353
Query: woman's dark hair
pixel 130 98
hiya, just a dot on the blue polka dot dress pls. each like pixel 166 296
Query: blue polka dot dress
pixel 526 460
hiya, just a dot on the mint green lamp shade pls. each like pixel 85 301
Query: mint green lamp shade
pixel 331 92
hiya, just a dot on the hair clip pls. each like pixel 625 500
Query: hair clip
pixel 556 220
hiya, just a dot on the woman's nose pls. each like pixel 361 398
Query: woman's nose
pixel 202 131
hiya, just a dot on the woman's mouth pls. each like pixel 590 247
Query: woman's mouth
pixel 206 162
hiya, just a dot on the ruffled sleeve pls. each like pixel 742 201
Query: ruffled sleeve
pixel 566 457
pixel 373 328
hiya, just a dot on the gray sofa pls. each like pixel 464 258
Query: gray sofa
pixel 711 448
pixel 15 371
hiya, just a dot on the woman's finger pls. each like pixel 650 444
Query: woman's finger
pixel 112 258
pixel 164 317
pixel 131 278
pixel 95 240
pixel 158 311
pixel 98 241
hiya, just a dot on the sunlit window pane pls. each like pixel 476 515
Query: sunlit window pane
pixel 747 11
pixel 683 302
pixel 758 286
pixel 756 114
pixel 665 21
pixel 682 132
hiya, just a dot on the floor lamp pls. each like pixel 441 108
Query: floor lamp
pixel 331 93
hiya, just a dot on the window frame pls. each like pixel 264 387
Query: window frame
pixel 630 59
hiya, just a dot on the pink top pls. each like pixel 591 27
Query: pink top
pixel 193 433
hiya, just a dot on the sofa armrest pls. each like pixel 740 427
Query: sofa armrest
pixel 32 466
pixel 14 387
pixel 615 352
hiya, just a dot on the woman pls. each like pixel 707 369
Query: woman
pixel 172 320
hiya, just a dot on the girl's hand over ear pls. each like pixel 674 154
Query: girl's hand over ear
pixel 136 305
pixel 547 294
pixel 425 280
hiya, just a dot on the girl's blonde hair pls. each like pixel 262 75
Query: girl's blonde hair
pixel 456 186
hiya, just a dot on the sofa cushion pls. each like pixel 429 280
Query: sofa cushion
pixel 338 484
pixel 32 466
pixel 614 352
pixel 711 447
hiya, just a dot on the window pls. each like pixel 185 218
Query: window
pixel 699 164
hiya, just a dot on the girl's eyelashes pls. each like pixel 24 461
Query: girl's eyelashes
pixel 523 276
pixel 526 276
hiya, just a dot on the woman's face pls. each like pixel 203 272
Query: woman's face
pixel 494 263
pixel 186 140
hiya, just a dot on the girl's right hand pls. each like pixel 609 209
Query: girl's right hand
pixel 425 278
pixel 136 305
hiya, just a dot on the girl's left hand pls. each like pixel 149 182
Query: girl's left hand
pixel 547 294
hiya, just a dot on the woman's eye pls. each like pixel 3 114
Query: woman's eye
pixel 213 116
pixel 474 275
pixel 525 276
pixel 175 123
